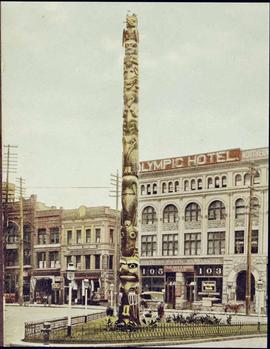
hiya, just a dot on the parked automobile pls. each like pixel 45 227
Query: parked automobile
pixel 151 299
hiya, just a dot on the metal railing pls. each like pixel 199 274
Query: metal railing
pixel 92 333
pixel 33 329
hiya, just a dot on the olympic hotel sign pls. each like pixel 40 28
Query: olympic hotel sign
pixel 191 161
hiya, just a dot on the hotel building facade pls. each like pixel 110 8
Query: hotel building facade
pixel 193 218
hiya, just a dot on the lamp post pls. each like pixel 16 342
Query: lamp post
pixel 260 290
pixel 111 290
pixel 70 276
pixel 86 285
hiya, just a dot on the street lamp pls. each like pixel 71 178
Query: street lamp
pixel 70 276
pixel 260 290
pixel 111 290
pixel 86 285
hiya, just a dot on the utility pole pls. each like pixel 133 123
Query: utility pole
pixel 252 172
pixel 21 253
pixel 9 166
pixel 115 181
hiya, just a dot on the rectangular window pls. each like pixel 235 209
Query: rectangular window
pixel 41 260
pixel 54 235
pixel 87 262
pixel 54 259
pixel 192 244
pixel 97 261
pixel 11 258
pixel 254 241
pixel 216 242
pixel 78 262
pixel 111 236
pixel 148 245
pixel 68 260
pixel 88 235
pixel 110 262
pixel 239 241
pixel 41 236
pixel 78 236
pixel 98 235
pixel 27 257
pixel 169 244
pixel 69 237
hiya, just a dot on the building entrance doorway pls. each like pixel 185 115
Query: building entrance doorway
pixel 170 289
pixel 241 286
pixel 190 288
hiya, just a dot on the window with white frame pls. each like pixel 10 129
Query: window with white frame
pixel 192 212
pixel 170 214
pixel 238 180
pixel 169 244
pixel 216 210
pixel 216 242
pixel 148 215
pixel 192 244
pixel 239 241
pixel 148 245
pixel 239 208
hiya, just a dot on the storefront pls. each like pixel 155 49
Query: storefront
pixel 153 278
pixel 208 282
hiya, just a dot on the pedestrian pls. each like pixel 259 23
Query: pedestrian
pixel 160 310
pixel 50 300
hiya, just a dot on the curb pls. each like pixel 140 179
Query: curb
pixel 136 344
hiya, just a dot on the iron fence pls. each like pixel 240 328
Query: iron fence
pixel 91 333
pixel 33 329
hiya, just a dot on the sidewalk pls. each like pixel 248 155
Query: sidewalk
pixel 75 306
pixel 135 344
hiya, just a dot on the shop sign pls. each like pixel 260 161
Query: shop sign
pixel 179 269
pixel 209 270
pixel 209 286
pixel 152 271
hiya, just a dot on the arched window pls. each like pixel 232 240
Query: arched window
pixel 164 187
pixel 199 184
pixel 192 212
pixel 155 188
pixel 148 189
pixel 217 182
pixel 257 178
pixel 148 215
pixel 224 181
pixel 170 187
pixel 255 207
pixel 193 184
pixel 210 183
pixel 247 179
pixel 142 189
pixel 176 186
pixel 239 208
pixel 170 214
pixel 186 185
pixel 216 210
pixel 238 180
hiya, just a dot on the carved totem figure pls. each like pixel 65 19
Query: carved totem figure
pixel 129 263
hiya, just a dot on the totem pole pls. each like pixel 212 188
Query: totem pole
pixel 129 261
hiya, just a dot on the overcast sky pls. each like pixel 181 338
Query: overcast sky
pixel 203 87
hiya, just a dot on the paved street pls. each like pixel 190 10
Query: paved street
pixel 16 316
pixel 256 342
